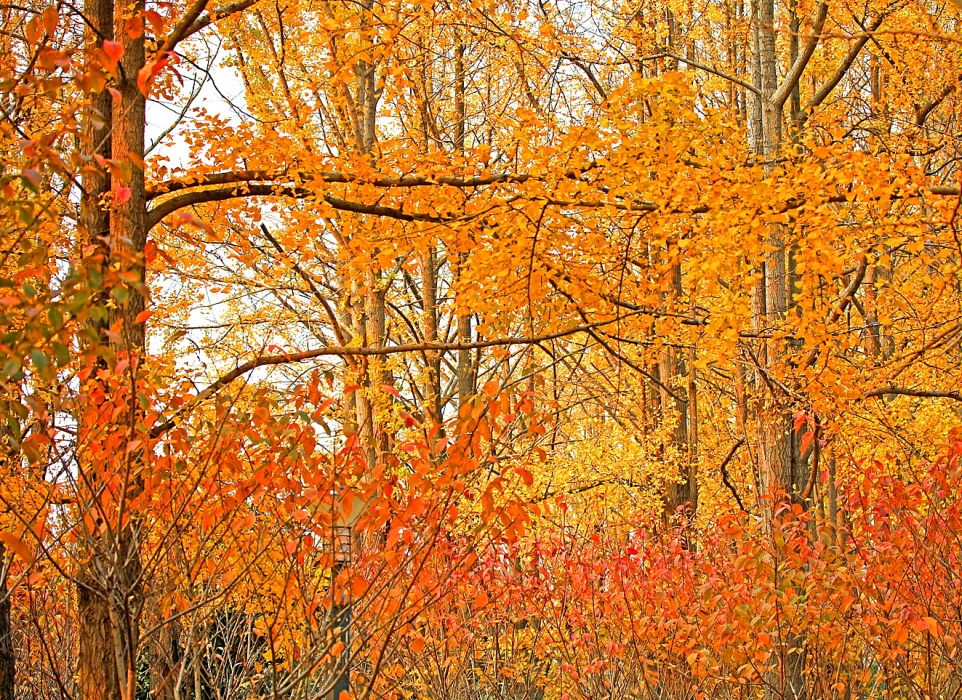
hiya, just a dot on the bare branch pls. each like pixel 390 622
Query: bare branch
pixel 586 69
pixel 922 113
pixel 843 67
pixel 306 355
pixel 332 317
pixel 216 15
pixel 921 393
pixel 708 69
pixel 182 28
pixel 847 297
pixel 301 177
pixel 795 72
pixel 168 206
pixel 248 183
pixel 590 486
pixel 726 478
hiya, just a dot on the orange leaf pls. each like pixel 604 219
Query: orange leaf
pixel 525 475
pixel 146 75
pixel 135 27
pixel 50 18
pixel 17 546
pixel 156 21
pixel 113 50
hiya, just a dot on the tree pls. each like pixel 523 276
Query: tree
pixel 485 265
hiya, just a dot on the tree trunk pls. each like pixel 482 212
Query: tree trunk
pixel 465 368
pixel 97 672
pixel 682 490
pixel 7 657
pixel 429 316
pixel 779 466
pixel 110 595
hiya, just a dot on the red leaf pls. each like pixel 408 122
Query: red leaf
pixel 113 50
pixel 156 21
pixel 135 27
pixel 50 18
pixel 150 251
pixel 525 475
pixel 146 75
pixel 799 421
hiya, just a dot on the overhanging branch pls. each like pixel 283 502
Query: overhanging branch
pixel 306 355
pixel 193 197
pixel 920 393
pixel 301 177
pixel 177 194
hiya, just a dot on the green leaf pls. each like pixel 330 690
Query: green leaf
pixel 40 361
pixel 61 353
pixel 98 314
pixel 14 425
pixel 11 368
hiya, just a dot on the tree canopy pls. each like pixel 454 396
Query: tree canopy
pixel 480 349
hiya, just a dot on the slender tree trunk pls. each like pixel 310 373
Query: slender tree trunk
pixel 7 657
pixel 110 595
pixel 363 329
pixel 97 671
pixel 465 368
pixel 166 662
pixel 681 490
pixel 429 316
pixel 11 457
pixel 779 462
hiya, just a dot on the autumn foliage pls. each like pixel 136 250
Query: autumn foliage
pixel 480 349
pixel 587 611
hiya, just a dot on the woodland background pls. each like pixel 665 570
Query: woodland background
pixel 468 349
